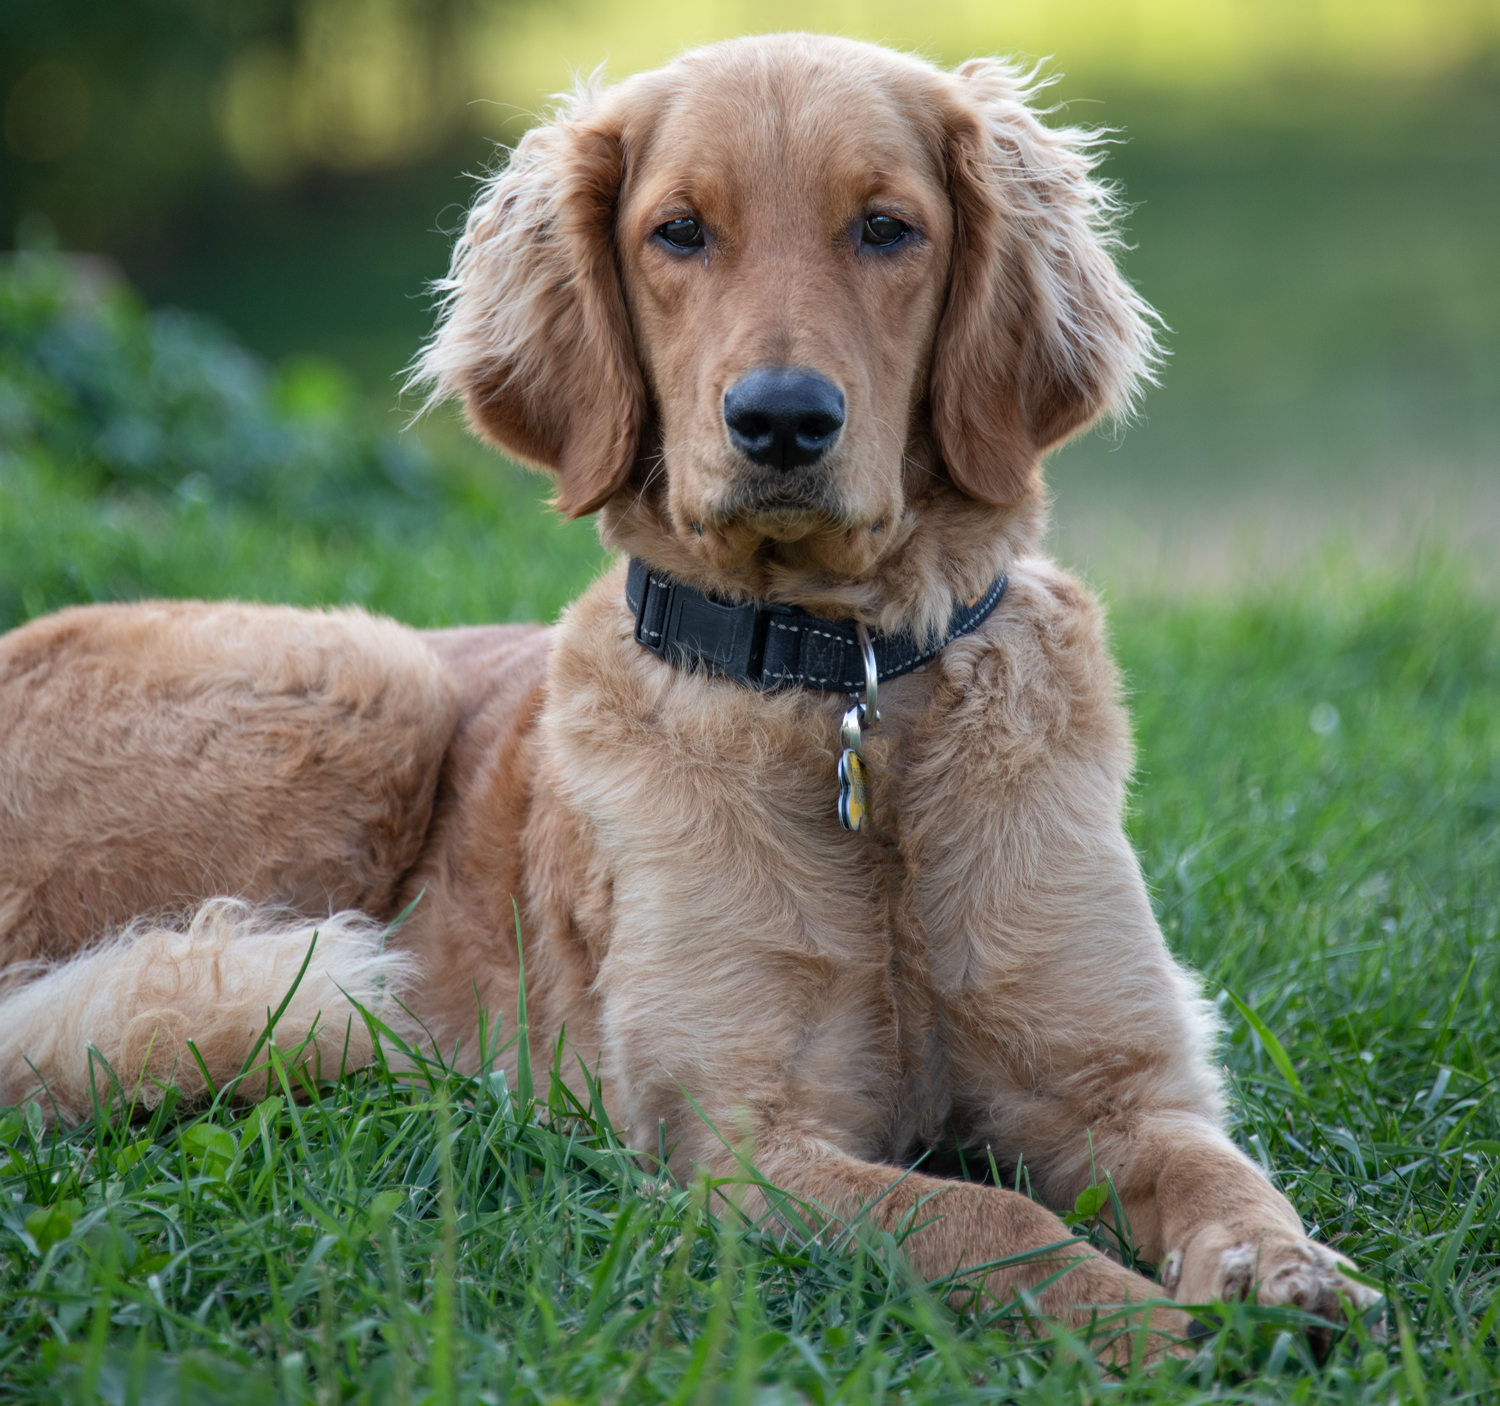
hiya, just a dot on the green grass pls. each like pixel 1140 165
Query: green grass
pixel 1318 813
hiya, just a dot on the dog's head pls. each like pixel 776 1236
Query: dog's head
pixel 758 303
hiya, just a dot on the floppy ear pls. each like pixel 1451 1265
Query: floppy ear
pixel 1041 334
pixel 533 335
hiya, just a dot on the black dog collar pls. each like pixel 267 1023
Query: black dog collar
pixel 775 646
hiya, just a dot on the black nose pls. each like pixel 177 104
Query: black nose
pixel 782 417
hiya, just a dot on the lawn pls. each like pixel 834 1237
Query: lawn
pixel 1318 811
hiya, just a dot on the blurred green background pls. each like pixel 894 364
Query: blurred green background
pixel 1315 188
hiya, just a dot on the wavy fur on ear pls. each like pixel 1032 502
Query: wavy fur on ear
pixel 1041 335
pixel 139 998
pixel 533 334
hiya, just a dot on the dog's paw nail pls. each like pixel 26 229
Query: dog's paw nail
pixel 1236 1271
pixel 1171 1270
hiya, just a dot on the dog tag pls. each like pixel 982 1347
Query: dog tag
pixel 854 790
pixel 852 793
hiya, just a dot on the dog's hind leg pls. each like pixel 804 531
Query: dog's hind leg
pixel 156 757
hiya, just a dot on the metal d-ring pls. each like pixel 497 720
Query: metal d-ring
pixel 872 676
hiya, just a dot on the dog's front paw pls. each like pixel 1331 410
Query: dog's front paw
pixel 1273 1267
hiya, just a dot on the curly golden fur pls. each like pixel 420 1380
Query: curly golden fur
pixel 980 967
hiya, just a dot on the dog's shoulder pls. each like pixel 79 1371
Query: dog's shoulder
pixel 1055 611
pixel 1039 672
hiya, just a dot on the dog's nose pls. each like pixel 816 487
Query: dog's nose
pixel 783 417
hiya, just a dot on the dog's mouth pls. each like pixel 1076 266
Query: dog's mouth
pixel 810 522
pixel 780 512
pixel 775 532
pixel 781 522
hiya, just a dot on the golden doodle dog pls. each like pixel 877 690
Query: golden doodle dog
pixel 798 317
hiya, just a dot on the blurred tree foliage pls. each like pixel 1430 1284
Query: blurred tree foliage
pixel 147 453
pixel 122 400
pixel 118 116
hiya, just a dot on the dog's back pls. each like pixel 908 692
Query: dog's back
pixel 156 755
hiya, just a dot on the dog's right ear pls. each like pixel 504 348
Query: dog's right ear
pixel 534 336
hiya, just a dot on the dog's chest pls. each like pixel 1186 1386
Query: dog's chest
pixel 817 954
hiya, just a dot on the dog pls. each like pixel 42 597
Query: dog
pixel 808 811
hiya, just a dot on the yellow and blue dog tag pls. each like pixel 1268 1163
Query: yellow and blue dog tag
pixel 853 788
pixel 852 793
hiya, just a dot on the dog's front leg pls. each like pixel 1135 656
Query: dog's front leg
pixel 1224 1231
pixel 767 1070
pixel 743 1030
pixel 1084 1056
pixel 745 989
pixel 1077 1047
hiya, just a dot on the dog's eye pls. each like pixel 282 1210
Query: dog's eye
pixel 682 233
pixel 883 229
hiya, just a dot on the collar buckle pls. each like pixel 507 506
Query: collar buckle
pixel 687 626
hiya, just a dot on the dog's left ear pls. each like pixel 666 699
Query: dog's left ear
pixel 1040 335
pixel 534 335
